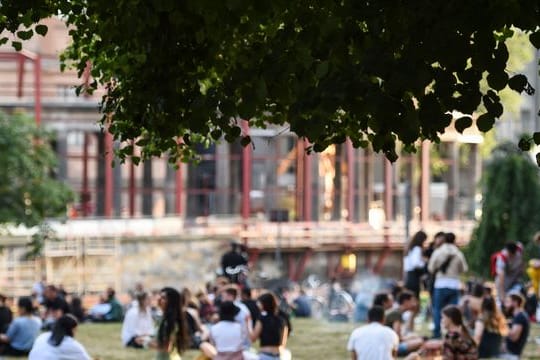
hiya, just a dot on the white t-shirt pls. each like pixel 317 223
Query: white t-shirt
pixel 413 259
pixel 69 349
pixel 242 318
pixel 137 323
pixel 373 342
pixel 226 336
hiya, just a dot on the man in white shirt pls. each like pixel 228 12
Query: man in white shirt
pixel 230 293
pixel 373 341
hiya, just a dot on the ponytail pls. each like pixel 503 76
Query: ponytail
pixel 62 327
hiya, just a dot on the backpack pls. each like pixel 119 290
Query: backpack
pixel 493 261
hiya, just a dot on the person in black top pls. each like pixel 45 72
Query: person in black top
pixel 270 329
pixel 55 306
pixel 232 262
pixel 250 304
pixel 6 316
pixel 520 326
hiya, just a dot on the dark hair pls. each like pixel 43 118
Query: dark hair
pixel 455 316
pixel 404 296
pixel 417 240
pixel 450 238
pixel 141 298
pixel 228 311
pixel 478 290
pixel 440 233
pixel 517 298
pixel 376 313
pixel 246 292
pixel 25 303
pixel 173 317
pixel 231 290
pixel 110 294
pixel 511 247
pixel 380 299
pixel 269 303
pixel 62 327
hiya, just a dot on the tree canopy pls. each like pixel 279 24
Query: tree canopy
pixel 180 72
pixel 28 191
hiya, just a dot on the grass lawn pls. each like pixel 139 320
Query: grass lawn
pixel 311 340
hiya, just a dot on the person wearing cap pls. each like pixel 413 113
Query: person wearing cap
pixel 226 335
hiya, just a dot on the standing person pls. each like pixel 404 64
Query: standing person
pixel 457 343
pixel 508 269
pixel 448 263
pixel 233 263
pixel 138 324
pixel 438 240
pixel 172 336
pixel 533 270
pixel 38 289
pixel 489 330
pixel 250 304
pixel 373 341
pixel 270 329
pixel 414 265
pixel 519 328
pixel 22 332
pixel 5 314
pixel 60 343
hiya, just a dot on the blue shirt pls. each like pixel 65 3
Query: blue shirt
pixel 23 331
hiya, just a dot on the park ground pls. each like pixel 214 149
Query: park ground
pixel 311 340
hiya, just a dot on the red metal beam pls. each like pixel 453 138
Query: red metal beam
pixel 179 189
pixel 424 182
pixel 306 256
pixel 20 74
pixel 350 180
pixel 85 195
pixel 246 176
pixel 108 193
pixel 131 188
pixel 388 190
pixel 307 184
pixel 300 195
pixel 37 90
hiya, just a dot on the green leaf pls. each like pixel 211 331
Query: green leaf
pixel 534 38
pixel 322 70
pixel 463 123
pixel 25 35
pixel 245 141
pixel 518 83
pixel 525 143
pixel 536 138
pixel 16 45
pixel 485 122
pixel 41 29
pixel 497 80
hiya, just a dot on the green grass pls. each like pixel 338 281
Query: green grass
pixel 311 340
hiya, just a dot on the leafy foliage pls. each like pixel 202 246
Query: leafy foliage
pixel 28 192
pixel 511 206
pixel 181 72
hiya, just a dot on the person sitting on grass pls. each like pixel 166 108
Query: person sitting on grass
pixel 519 328
pixel 490 329
pixel 408 343
pixel 226 335
pixel 172 335
pixel 138 324
pixel 22 332
pixel 457 344
pixel 112 309
pixel 373 341
pixel 59 344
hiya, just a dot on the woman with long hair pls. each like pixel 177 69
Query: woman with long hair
pixel 138 324
pixel 270 329
pixel 414 264
pixel 489 329
pixel 172 335
pixel 59 344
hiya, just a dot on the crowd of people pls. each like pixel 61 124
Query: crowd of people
pixel 481 320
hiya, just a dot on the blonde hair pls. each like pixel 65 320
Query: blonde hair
pixel 492 317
